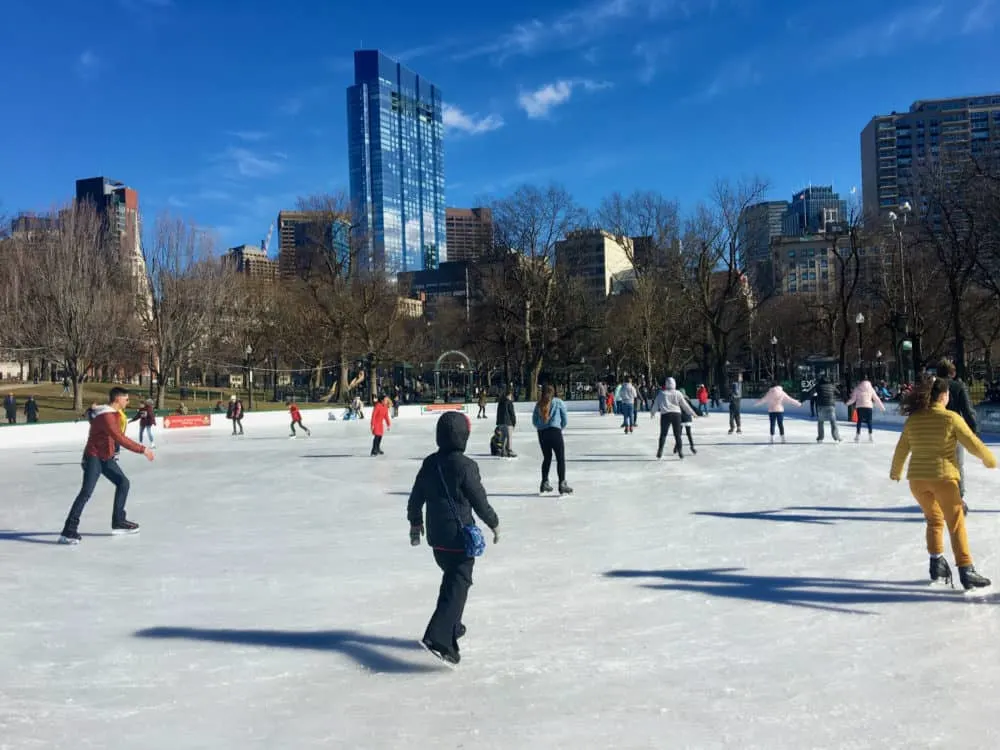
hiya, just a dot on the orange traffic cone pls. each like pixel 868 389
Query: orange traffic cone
pixel 854 416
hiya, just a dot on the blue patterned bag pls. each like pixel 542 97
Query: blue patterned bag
pixel 475 542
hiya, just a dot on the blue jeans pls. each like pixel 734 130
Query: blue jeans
pixel 777 418
pixel 628 415
pixel 93 469
pixel 146 429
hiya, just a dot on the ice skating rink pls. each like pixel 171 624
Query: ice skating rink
pixel 748 597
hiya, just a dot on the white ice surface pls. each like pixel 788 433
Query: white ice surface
pixel 778 601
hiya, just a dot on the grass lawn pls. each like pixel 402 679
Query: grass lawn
pixel 54 407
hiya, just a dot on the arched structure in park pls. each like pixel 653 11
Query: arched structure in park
pixel 464 366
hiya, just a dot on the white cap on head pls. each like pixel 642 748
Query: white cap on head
pixel 232 398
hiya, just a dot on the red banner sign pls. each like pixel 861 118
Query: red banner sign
pixel 174 421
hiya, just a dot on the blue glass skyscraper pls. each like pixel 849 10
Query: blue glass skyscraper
pixel 395 133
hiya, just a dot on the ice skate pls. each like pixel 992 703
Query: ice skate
pixel 772 439
pixel 940 571
pixel 446 657
pixel 565 489
pixel 69 537
pixel 965 507
pixel 731 430
pixel 971 580
pixel 124 527
pixel 857 438
pixel 783 439
pixel 546 487
pixel 871 438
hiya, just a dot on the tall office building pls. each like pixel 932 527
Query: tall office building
pixel 118 208
pixel 896 146
pixel 469 233
pixel 252 261
pixel 305 236
pixel 395 133
pixel 596 257
pixel 810 211
pixel 758 225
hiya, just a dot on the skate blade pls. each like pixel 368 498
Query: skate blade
pixel 68 540
pixel 448 664
pixel 978 593
pixel 124 532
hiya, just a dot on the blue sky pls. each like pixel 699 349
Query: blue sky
pixel 225 111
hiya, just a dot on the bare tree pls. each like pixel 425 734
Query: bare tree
pixel 181 296
pixel 77 293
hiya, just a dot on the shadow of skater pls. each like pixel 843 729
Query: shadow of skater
pixel 782 516
pixel 35 537
pixel 361 648
pixel 829 594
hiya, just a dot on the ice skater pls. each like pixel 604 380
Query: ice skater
pixel 775 400
pixel 481 414
pixel 99 459
pixel 293 410
pixel 449 485
pixel 687 421
pixel 735 404
pixel 929 437
pixel 506 422
pixel 549 418
pixel 146 416
pixel 960 403
pixel 824 396
pixel 669 405
pixel 235 413
pixel 380 424
pixel 627 396
pixel 863 399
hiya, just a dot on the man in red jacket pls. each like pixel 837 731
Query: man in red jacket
pixel 98 459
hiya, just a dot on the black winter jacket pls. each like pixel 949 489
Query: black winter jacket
pixel 505 412
pixel 461 475
pixel 959 402
pixel 825 394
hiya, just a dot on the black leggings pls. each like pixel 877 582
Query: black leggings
pixel 669 422
pixel 551 440
pixel 777 418
pixel 864 417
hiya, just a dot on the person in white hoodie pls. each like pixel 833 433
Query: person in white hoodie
pixel 627 395
pixel 775 400
pixel 668 405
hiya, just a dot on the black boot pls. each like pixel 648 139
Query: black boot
pixel 546 487
pixel 971 579
pixel 965 507
pixel 565 489
pixel 941 571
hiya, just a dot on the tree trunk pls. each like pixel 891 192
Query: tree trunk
pixel 536 371
pixel 344 380
pixel 75 376
pixel 959 335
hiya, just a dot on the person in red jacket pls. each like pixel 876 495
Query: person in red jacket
pixel 293 409
pixel 99 458
pixel 702 400
pixel 147 421
pixel 380 424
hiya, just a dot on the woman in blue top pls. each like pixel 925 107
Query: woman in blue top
pixel 549 418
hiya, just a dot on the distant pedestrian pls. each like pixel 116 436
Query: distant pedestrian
pixel 31 410
pixel 10 408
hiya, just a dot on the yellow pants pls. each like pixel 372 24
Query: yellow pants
pixel 942 504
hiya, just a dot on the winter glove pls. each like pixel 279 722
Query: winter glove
pixel 496 536
pixel 415 533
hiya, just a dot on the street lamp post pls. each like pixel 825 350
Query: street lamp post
pixel 774 357
pixel 878 358
pixel 274 376
pixel 860 320
pixel 249 353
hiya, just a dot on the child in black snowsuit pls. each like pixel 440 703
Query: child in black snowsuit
pixel 448 483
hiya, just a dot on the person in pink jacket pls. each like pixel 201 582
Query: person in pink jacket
pixel 775 400
pixel 864 399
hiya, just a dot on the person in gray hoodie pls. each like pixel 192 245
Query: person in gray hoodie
pixel 735 400
pixel 669 405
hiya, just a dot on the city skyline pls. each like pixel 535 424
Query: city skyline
pixel 718 89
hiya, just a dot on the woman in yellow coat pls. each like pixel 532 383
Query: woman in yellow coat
pixel 930 435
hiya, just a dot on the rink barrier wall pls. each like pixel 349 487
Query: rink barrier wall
pixel 28 435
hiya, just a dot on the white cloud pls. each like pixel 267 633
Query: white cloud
pixel 88 65
pixel 246 163
pixel 456 119
pixel 539 103
pixel 248 135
